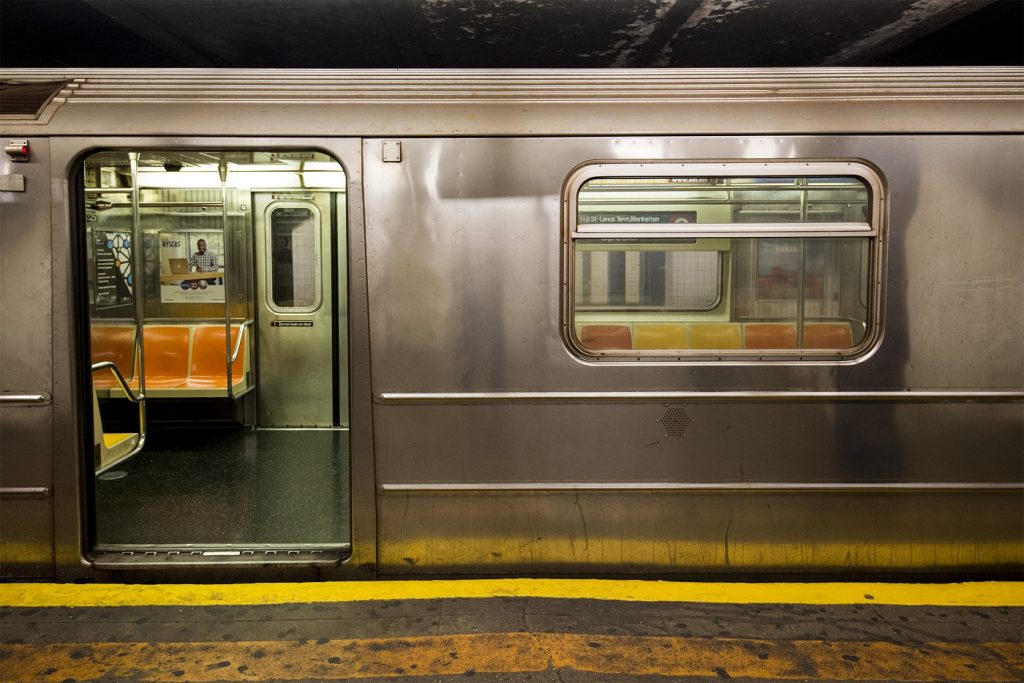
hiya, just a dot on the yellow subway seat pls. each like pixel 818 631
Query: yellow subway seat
pixel 658 336
pixel 716 336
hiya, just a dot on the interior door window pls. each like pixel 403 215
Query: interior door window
pixel 294 271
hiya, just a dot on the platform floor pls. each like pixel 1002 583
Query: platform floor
pixel 513 630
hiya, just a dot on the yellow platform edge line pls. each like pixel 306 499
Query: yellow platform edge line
pixel 975 594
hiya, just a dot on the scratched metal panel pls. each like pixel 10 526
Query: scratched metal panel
pixel 464 265
pixel 26 547
pixel 464 254
pixel 727 442
pixel 584 532
pixel 26 363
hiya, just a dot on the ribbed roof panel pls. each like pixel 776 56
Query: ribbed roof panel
pixel 539 85
pixel 542 102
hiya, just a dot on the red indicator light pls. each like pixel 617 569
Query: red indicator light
pixel 17 150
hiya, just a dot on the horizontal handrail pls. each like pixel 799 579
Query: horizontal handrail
pixel 42 491
pixel 710 487
pixel 120 380
pixel 25 399
pixel 113 322
pixel 907 396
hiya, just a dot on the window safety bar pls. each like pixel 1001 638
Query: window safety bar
pixel 689 230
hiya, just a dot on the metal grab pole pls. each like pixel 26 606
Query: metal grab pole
pixel 800 294
pixel 222 169
pixel 138 272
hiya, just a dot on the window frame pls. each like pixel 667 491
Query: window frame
pixel 873 229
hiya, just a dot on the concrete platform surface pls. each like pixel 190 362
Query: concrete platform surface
pixel 513 630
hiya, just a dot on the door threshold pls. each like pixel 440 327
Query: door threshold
pixel 302 429
pixel 253 556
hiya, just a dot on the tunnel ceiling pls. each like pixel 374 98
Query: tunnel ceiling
pixel 508 33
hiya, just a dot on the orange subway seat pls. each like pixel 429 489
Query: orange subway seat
pixel 769 336
pixel 114 344
pixel 658 336
pixel 165 351
pixel 716 336
pixel 604 337
pixel 827 336
pixel 209 358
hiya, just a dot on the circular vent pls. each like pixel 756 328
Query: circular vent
pixel 675 421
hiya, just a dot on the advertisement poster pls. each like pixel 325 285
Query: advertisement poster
pixel 191 267
pixel 113 260
pixel 778 269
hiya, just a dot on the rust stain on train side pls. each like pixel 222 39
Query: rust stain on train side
pixel 514 653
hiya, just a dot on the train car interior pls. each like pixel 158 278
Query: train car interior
pixel 215 298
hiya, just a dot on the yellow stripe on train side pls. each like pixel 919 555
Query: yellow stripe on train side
pixel 979 594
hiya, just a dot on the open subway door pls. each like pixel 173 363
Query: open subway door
pixel 214 280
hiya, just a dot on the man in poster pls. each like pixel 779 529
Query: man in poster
pixel 203 261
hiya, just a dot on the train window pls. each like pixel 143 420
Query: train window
pixel 292 250
pixel 695 260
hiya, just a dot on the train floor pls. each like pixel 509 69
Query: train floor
pixel 542 630
pixel 213 487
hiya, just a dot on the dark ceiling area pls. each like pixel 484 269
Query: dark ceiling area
pixel 352 34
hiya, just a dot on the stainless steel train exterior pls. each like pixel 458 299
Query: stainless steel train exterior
pixel 488 433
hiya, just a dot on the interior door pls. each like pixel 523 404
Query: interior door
pixel 296 302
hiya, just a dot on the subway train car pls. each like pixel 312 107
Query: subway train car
pixel 331 324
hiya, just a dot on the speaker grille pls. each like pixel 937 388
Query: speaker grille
pixel 675 421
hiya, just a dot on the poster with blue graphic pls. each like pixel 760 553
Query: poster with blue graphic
pixel 114 280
